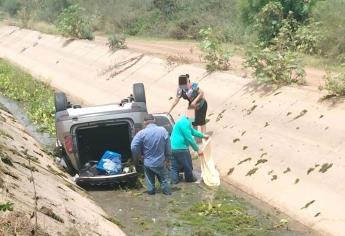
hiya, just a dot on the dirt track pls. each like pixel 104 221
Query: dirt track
pixel 285 147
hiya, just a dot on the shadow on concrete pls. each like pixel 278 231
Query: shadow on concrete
pixel 253 87
pixel 332 100
pixel 67 42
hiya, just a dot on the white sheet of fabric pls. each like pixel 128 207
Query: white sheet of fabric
pixel 209 173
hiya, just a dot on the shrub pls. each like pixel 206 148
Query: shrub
pixel 72 22
pixel 117 41
pixel 301 9
pixel 297 37
pixel 36 97
pixel 167 7
pixel 49 10
pixel 331 15
pixel 185 29
pixel 308 38
pixel 269 21
pixel 11 6
pixel 217 58
pixel 335 84
pixel 274 66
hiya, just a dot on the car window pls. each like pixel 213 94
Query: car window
pixel 164 121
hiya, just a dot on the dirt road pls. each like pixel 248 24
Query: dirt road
pixel 284 147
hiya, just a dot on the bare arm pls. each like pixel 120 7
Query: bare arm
pixel 200 96
pixel 177 99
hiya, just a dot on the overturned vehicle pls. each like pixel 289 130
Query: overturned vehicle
pixel 85 135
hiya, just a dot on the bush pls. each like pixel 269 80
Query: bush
pixel 217 58
pixel 11 6
pixel 301 9
pixel 167 7
pixel 72 22
pixel 274 66
pixel 269 21
pixel 36 97
pixel 297 37
pixel 331 15
pixel 185 29
pixel 117 41
pixel 335 84
pixel 49 10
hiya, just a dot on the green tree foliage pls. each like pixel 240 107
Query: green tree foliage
pixel 331 15
pixel 274 66
pixel 72 22
pixel 11 6
pixel 269 21
pixel 297 37
pixel 167 7
pixel 335 83
pixel 301 9
pixel 50 9
pixel 216 57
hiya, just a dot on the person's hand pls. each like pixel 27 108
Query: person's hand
pixel 193 105
pixel 200 152
pixel 206 136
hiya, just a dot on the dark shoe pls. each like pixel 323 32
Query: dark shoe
pixel 191 180
pixel 151 192
pixel 167 192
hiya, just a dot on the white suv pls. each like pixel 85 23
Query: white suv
pixel 84 134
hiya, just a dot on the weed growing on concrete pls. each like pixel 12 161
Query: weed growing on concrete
pixel 36 96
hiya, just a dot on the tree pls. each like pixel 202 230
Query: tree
pixel 301 9
pixel 167 7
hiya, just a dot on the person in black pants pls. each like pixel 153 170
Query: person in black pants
pixel 196 99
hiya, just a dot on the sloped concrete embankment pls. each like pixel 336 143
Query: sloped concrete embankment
pixel 41 194
pixel 285 147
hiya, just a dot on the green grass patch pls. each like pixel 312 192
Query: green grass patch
pixel 36 97
pixel 221 216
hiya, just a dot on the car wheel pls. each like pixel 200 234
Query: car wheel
pixel 139 92
pixel 61 103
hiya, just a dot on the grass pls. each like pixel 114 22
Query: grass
pixel 221 216
pixel 36 97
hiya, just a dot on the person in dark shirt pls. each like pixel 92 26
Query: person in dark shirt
pixel 196 99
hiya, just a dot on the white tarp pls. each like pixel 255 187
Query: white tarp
pixel 209 173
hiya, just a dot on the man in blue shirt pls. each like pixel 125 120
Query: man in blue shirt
pixel 153 143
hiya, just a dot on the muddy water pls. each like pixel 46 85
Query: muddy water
pixel 141 214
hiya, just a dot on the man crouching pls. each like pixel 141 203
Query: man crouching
pixel 153 143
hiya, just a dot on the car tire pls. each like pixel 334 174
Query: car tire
pixel 139 92
pixel 61 103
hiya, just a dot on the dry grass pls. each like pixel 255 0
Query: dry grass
pixel 178 59
pixel 17 223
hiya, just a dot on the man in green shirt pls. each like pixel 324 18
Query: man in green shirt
pixel 181 138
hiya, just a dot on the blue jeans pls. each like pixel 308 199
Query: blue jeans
pixel 162 176
pixel 181 159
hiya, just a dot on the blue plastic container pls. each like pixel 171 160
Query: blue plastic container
pixel 110 163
